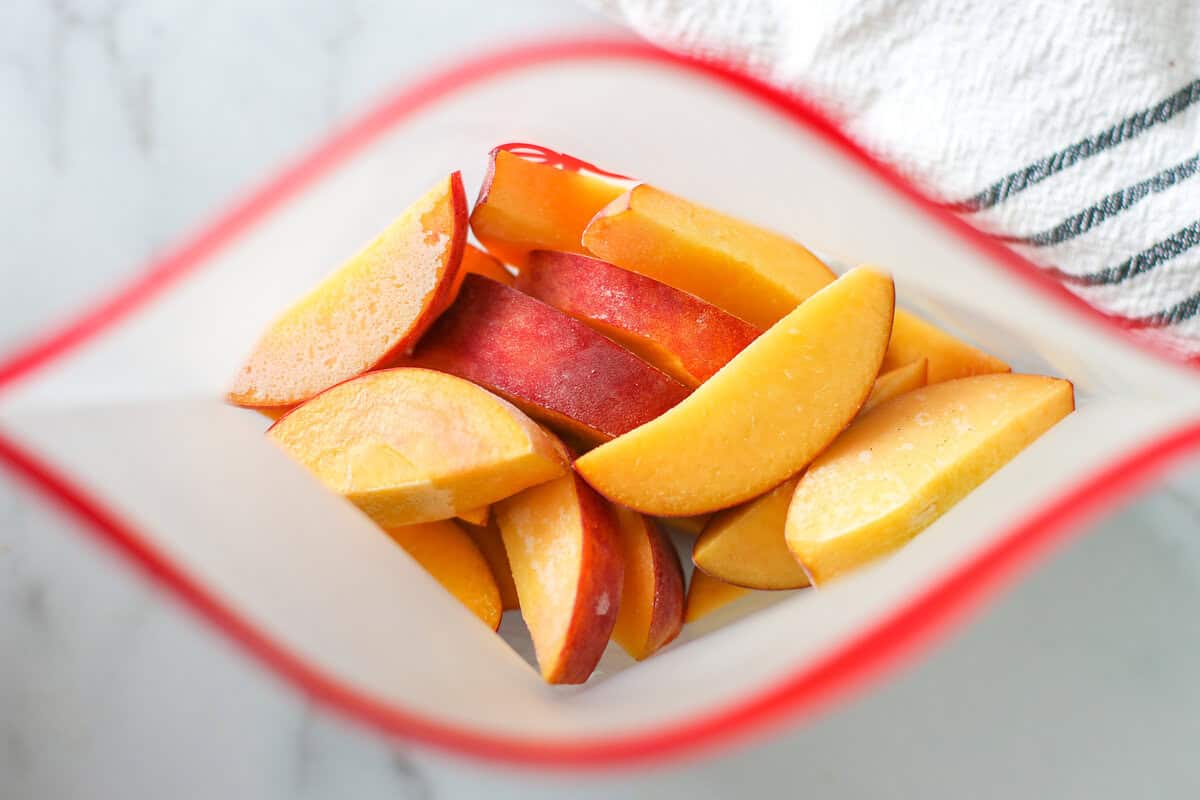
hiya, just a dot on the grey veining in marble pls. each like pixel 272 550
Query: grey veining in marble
pixel 127 123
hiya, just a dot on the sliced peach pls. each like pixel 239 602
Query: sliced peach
pixel 487 538
pixel 480 263
pixel 554 367
pixel 475 516
pixel 691 525
pixel 949 358
pixel 651 611
pixel 374 306
pixel 745 545
pixel 414 445
pixel 895 382
pixel 525 206
pixel 452 558
pixel 763 417
pixel 675 331
pixel 748 271
pixel 905 463
pixel 565 552
pixel 706 594
pixel 752 273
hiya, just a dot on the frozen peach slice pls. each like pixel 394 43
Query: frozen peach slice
pixel 525 206
pixel 905 463
pixel 374 306
pixel 554 367
pixel 895 382
pixel 563 546
pixel 492 546
pixel 763 417
pixel 690 525
pixel 475 516
pixel 754 274
pixel 745 545
pixel 675 331
pixel 452 558
pixel 749 271
pixel 480 263
pixel 414 445
pixel 706 594
pixel 949 358
pixel 651 611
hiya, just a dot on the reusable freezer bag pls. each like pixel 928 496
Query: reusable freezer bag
pixel 120 417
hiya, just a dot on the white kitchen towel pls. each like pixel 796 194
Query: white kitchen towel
pixel 1070 128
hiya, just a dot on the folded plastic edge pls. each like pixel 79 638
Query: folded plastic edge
pixel 866 656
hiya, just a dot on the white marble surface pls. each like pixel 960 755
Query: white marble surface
pixel 126 123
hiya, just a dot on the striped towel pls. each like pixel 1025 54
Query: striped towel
pixel 1069 128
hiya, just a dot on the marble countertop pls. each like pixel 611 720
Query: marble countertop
pixel 126 124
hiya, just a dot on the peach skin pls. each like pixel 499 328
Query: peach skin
pixel 414 445
pixel 525 206
pixel 677 332
pixel 651 611
pixel 554 367
pixel 563 546
pixel 449 555
pixel 905 463
pixel 372 308
pixel 763 417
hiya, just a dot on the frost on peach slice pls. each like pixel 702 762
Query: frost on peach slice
pixel 563 547
pixel 374 306
pixel 905 463
pixel 412 445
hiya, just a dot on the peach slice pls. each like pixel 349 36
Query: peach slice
pixel 764 416
pixel 476 516
pixel 949 358
pixel 905 463
pixel 689 525
pixel 414 445
pixel 895 382
pixel 565 552
pixel 555 368
pixel 912 338
pixel 752 273
pixel 651 610
pixel 745 545
pixel 492 546
pixel 525 206
pixel 452 558
pixel 706 594
pixel 480 263
pixel 374 306
pixel 679 333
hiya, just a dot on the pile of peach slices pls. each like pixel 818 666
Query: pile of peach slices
pixel 522 418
